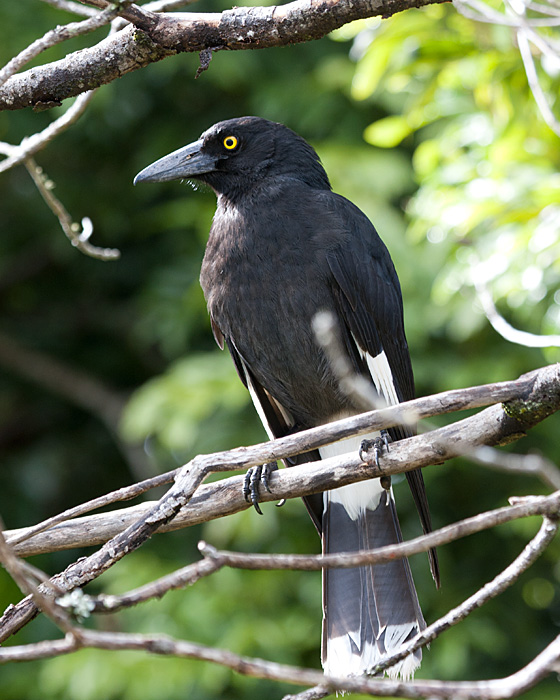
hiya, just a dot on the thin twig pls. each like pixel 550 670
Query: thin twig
pixel 75 7
pixel 352 384
pixel 138 16
pixel 78 237
pixel 186 576
pixel 499 323
pixel 498 585
pixel 536 89
pixel 530 464
pixel 56 36
pixel 527 32
pixel 32 144
pixel 123 494
pixel 163 645
pixel 548 506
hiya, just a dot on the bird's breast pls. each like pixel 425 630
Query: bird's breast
pixel 263 286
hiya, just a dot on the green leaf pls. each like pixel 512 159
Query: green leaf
pixel 388 132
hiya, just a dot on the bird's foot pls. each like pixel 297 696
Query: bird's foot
pixel 254 477
pixel 377 445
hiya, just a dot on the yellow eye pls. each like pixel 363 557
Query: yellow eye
pixel 230 142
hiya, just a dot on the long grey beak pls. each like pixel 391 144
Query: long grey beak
pixel 186 162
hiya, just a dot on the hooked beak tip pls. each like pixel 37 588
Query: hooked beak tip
pixel 186 162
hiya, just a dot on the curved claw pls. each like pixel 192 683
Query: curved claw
pixel 246 485
pixel 254 477
pixel 267 470
pixel 378 444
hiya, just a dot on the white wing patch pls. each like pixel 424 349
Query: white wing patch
pixel 382 376
pixel 258 406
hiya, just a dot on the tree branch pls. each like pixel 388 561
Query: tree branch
pixel 546 506
pixel 495 425
pixel 498 585
pixel 164 645
pixel 78 237
pixel 72 6
pixel 139 16
pixel 56 36
pixel 500 325
pixel 235 29
pixel 539 396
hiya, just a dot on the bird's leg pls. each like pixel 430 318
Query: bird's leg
pixel 254 477
pixel 378 444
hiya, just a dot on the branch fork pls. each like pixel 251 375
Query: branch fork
pixel 528 400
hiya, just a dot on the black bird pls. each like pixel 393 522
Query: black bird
pixel 282 247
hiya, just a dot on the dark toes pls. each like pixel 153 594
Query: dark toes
pixel 386 439
pixel 377 445
pixel 267 471
pixel 374 446
pixel 253 478
pixel 251 487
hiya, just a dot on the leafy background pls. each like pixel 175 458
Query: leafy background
pixel 425 121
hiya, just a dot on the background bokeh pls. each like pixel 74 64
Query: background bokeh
pixel 426 122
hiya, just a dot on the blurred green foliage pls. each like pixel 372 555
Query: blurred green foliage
pixel 426 122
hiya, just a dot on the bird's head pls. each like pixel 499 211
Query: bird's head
pixel 234 155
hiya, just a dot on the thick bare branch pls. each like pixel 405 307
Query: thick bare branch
pixel 495 425
pixel 238 28
pixel 490 427
pixel 548 506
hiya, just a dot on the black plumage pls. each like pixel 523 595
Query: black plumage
pixel 282 247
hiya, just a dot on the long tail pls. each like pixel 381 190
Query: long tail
pixel 368 611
